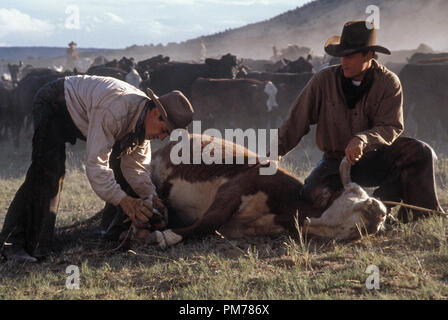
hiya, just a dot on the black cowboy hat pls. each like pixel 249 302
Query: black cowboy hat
pixel 356 36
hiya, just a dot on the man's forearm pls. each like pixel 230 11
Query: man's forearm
pixel 378 136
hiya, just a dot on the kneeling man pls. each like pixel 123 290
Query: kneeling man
pixel 358 109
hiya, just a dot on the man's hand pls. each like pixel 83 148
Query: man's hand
pixel 138 210
pixel 353 151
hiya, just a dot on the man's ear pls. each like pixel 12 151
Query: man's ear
pixel 154 113
pixel 151 115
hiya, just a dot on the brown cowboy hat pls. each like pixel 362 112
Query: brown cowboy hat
pixel 356 36
pixel 174 107
pixel 72 44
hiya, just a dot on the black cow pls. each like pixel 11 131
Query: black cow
pixel 22 99
pixel 107 72
pixel 420 57
pixel 425 100
pixel 126 64
pixel 231 103
pixel 145 67
pixel 15 71
pixel 5 101
pixel 180 75
pixel 262 65
pixel 289 85
pixel 115 69
pixel 297 66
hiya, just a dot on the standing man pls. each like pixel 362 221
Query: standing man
pixel 117 121
pixel 358 109
pixel 72 56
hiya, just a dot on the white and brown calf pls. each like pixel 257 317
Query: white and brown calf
pixel 237 201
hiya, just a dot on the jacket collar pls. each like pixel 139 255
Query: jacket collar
pixel 339 75
pixel 136 138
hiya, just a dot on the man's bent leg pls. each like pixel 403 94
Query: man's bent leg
pixel 404 172
pixel 415 161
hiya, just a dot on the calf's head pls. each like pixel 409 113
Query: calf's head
pixel 354 212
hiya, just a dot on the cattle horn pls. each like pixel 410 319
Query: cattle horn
pixel 344 171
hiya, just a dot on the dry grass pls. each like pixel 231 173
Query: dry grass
pixel 412 258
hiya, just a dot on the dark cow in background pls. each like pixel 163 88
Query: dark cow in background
pixel 297 66
pixel 260 64
pixel 107 72
pixel 420 57
pixel 146 67
pixel 98 61
pixel 233 103
pixel 20 114
pixel 180 75
pixel 18 71
pixel 289 85
pixel 5 108
pixel 426 101
pixel 238 201
pixel 283 65
pixel 124 69
pixel 15 70
pixel 115 69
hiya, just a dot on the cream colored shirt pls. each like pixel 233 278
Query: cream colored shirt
pixel 105 110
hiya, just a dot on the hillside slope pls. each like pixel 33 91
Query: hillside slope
pixel 403 24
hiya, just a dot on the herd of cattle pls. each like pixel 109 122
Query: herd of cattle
pixel 231 93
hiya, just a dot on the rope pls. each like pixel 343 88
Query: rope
pixel 405 205
pixel 106 251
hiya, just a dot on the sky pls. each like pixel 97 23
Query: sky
pixel 119 24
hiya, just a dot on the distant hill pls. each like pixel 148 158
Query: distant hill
pixel 404 24
pixel 24 53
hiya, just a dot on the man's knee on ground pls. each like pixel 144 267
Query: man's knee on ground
pixel 420 152
pixel 426 151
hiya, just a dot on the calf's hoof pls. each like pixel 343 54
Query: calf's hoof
pixel 166 238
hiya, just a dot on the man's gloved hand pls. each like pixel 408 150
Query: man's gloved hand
pixel 138 210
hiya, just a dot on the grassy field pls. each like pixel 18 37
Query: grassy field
pixel 412 259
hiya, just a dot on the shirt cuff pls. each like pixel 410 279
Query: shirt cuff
pixel 116 200
pixel 362 137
